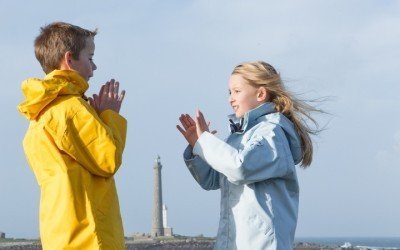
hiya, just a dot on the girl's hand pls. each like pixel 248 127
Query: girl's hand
pixel 108 98
pixel 201 124
pixel 189 129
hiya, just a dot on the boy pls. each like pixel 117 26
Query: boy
pixel 74 148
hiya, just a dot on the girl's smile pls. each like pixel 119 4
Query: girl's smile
pixel 243 96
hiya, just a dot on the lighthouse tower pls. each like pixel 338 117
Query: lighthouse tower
pixel 157 228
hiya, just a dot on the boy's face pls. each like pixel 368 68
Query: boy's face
pixel 85 65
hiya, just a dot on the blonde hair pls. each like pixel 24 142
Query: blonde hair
pixel 261 74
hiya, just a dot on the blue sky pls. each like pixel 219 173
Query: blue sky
pixel 176 56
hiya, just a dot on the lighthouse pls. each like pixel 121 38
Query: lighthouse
pixel 157 228
pixel 160 224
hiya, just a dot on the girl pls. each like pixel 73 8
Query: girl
pixel 255 166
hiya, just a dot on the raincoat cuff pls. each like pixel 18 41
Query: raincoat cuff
pixel 111 116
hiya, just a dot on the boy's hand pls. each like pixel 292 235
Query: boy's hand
pixel 108 98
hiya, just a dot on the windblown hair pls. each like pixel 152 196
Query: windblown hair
pixel 55 40
pixel 261 74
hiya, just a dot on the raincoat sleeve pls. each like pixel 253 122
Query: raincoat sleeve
pixel 96 142
pixel 264 156
pixel 207 177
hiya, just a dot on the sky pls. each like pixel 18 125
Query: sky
pixel 174 57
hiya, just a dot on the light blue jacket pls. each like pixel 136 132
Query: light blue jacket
pixel 255 170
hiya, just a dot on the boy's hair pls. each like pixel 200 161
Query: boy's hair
pixel 261 74
pixel 55 40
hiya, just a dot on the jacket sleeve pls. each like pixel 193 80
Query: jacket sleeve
pixel 96 142
pixel 263 157
pixel 207 177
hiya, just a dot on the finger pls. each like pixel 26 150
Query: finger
pixel 183 132
pixel 111 90
pixel 96 100
pixel 121 96
pixel 181 117
pixel 102 89
pixel 190 120
pixel 111 84
pixel 208 128
pixel 91 102
pixel 197 120
pixel 202 121
pixel 101 92
pixel 106 90
pixel 116 89
pixel 200 114
pixel 199 128
pixel 183 121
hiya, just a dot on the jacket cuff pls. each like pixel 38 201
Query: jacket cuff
pixel 188 153
pixel 109 115
pixel 197 146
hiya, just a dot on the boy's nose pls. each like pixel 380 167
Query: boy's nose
pixel 94 67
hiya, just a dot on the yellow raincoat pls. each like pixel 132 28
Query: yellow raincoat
pixel 74 154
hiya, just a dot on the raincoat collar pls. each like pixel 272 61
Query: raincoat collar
pixel 250 118
pixel 76 84
pixel 41 92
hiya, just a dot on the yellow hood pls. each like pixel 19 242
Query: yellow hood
pixel 40 92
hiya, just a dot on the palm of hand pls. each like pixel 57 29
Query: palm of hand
pixel 190 135
pixel 188 129
pixel 192 129
pixel 108 98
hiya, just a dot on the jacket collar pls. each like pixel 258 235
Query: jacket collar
pixel 41 92
pixel 250 118
pixel 76 83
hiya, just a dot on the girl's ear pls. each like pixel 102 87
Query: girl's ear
pixel 66 62
pixel 262 94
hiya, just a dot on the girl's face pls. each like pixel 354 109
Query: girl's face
pixel 243 97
